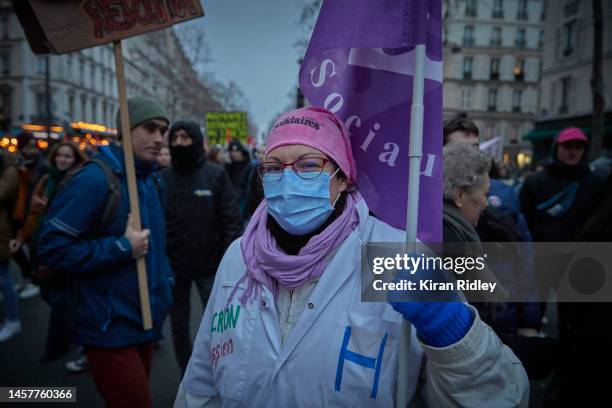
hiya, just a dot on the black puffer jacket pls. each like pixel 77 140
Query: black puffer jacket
pixel 202 216
pixel 558 200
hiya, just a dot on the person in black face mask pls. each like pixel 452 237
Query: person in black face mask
pixel 202 219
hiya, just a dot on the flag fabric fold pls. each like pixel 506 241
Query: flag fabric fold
pixel 360 65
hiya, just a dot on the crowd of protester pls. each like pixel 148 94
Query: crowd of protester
pixel 65 222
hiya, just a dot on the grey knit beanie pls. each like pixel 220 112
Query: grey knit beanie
pixel 141 110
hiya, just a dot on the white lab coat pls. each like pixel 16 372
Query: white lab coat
pixel 342 352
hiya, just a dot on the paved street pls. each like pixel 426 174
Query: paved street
pixel 20 363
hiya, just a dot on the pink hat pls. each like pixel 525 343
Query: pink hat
pixel 572 133
pixel 318 128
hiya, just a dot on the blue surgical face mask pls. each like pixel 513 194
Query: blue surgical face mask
pixel 299 205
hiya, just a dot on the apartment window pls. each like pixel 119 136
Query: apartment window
pixel 5 107
pixel 569 37
pixel 490 130
pixel 541 39
pixel 466 99
pixel 41 105
pixel 565 88
pixel 471 8
pixel 517 95
pixel 103 81
pixel 519 70
pixel 521 38
pixel 498 9
pixel 521 12
pixel 494 68
pixel 71 107
pixel 492 105
pixel 83 107
pixel 94 110
pixel 468 63
pixel 4 26
pixel 104 108
pixel 82 72
pixel 514 133
pixel 468 35
pixel 496 37
pixel 6 63
pixel 40 65
pixel 93 76
pixel 69 67
pixel 571 9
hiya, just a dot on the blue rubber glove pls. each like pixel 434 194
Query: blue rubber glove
pixel 438 324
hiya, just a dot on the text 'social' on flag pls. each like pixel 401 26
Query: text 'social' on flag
pixel 360 64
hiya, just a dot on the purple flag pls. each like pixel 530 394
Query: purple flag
pixel 359 64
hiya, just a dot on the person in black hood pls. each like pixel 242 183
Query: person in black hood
pixel 202 219
pixel 239 169
pixel 558 200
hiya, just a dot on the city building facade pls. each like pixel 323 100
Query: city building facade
pixel 565 97
pixel 492 53
pixel 81 87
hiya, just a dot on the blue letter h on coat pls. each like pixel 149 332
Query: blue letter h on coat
pixel 368 362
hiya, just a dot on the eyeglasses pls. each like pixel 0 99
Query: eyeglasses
pixel 306 168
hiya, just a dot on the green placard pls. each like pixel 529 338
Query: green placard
pixel 224 126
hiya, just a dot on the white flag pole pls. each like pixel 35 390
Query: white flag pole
pixel 415 152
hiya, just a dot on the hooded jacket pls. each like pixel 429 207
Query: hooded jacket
pixel 99 257
pixel 558 200
pixel 239 172
pixel 202 215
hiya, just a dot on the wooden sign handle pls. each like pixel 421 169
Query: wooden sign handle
pixel 126 133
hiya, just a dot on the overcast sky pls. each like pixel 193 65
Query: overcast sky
pixel 252 44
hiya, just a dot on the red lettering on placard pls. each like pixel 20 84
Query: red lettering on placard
pixel 181 8
pixel 110 16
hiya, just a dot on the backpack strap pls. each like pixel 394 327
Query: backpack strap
pixel 114 197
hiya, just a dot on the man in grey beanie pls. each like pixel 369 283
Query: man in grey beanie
pixel 89 237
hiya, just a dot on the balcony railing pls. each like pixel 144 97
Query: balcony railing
pixel 520 44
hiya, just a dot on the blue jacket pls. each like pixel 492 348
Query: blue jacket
pixel 107 312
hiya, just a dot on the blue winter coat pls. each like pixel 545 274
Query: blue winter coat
pixel 73 240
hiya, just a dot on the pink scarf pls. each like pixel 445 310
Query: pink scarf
pixel 267 265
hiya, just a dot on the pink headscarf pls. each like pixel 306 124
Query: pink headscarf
pixel 318 128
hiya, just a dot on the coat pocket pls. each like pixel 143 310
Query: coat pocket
pixel 94 309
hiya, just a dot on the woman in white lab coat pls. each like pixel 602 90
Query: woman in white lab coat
pixel 285 325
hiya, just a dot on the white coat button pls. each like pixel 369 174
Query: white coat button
pixel 263 302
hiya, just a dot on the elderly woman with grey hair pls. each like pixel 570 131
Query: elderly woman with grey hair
pixel 466 183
